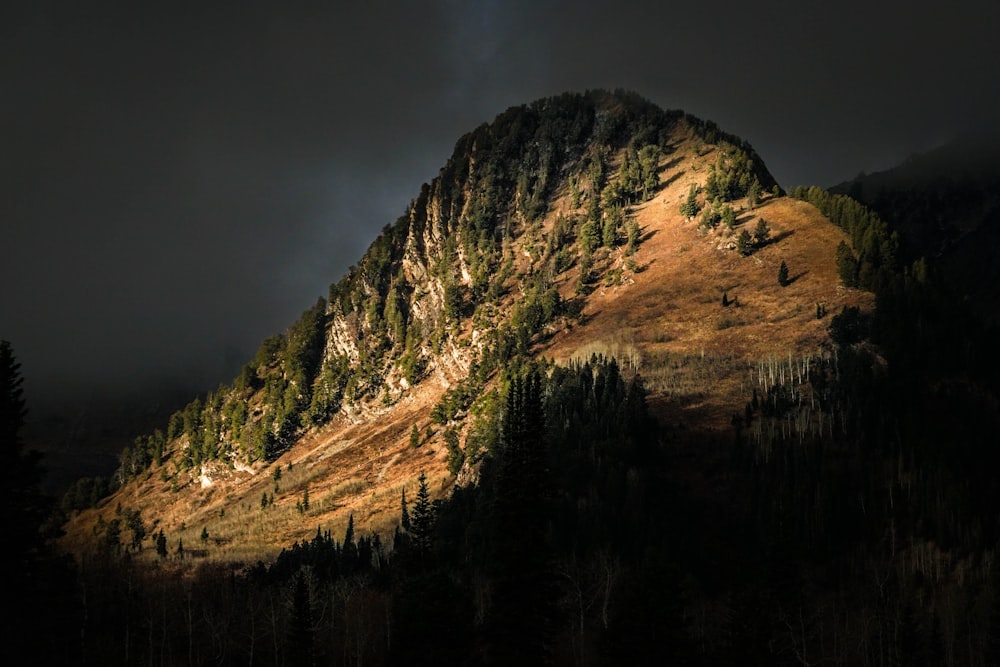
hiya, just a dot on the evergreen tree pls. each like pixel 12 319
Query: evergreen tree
pixel 609 227
pixel 728 216
pixel 761 233
pixel 847 265
pixel 161 544
pixel 753 193
pixel 414 437
pixel 649 157
pixel 422 518
pixel 690 207
pixel 24 505
pixel 711 218
pixel 349 548
pixel 633 235
pixel 349 532
pixel 404 514
pixel 783 274
pixel 456 457
pixel 744 244
pixel 519 623
pixel 38 604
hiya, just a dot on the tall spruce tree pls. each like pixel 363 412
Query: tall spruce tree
pixel 38 604
pixel 783 274
pixel 24 504
pixel 519 622
pixel 422 518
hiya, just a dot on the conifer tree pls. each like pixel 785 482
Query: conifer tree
pixel 783 274
pixel 753 193
pixel 690 207
pixel 519 621
pixel 847 265
pixel 349 532
pixel 728 216
pixel 404 514
pixel 761 233
pixel 24 504
pixel 161 544
pixel 456 457
pixel 744 244
pixel 422 518
pixel 39 601
pixel 349 550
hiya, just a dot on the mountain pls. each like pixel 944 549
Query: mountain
pixel 555 231
pixel 603 394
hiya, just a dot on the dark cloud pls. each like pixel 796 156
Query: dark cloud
pixel 179 183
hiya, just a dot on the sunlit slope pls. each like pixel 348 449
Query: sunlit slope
pixel 652 298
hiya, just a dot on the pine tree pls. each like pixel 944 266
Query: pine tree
pixel 690 207
pixel 414 437
pixel 422 518
pixel 25 507
pixel 761 233
pixel 744 244
pixel 519 621
pixel 349 532
pixel 456 457
pixel 753 193
pixel 13 409
pixel 649 158
pixel 728 216
pixel 633 234
pixel 349 550
pixel 783 274
pixel 404 514
pixel 161 544
pixel 847 265
pixel 39 604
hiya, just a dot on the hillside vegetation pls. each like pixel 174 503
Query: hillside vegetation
pixel 555 231
pixel 604 393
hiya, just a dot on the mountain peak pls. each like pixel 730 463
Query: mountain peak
pixel 581 224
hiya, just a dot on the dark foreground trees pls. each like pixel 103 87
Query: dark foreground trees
pixel 39 601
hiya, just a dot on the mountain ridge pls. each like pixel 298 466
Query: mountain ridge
pixel 542 235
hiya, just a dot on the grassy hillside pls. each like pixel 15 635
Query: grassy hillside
pixel 653 302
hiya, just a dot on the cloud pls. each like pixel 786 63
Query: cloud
pixel 178 182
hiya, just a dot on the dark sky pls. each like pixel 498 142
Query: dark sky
pixel 178 182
